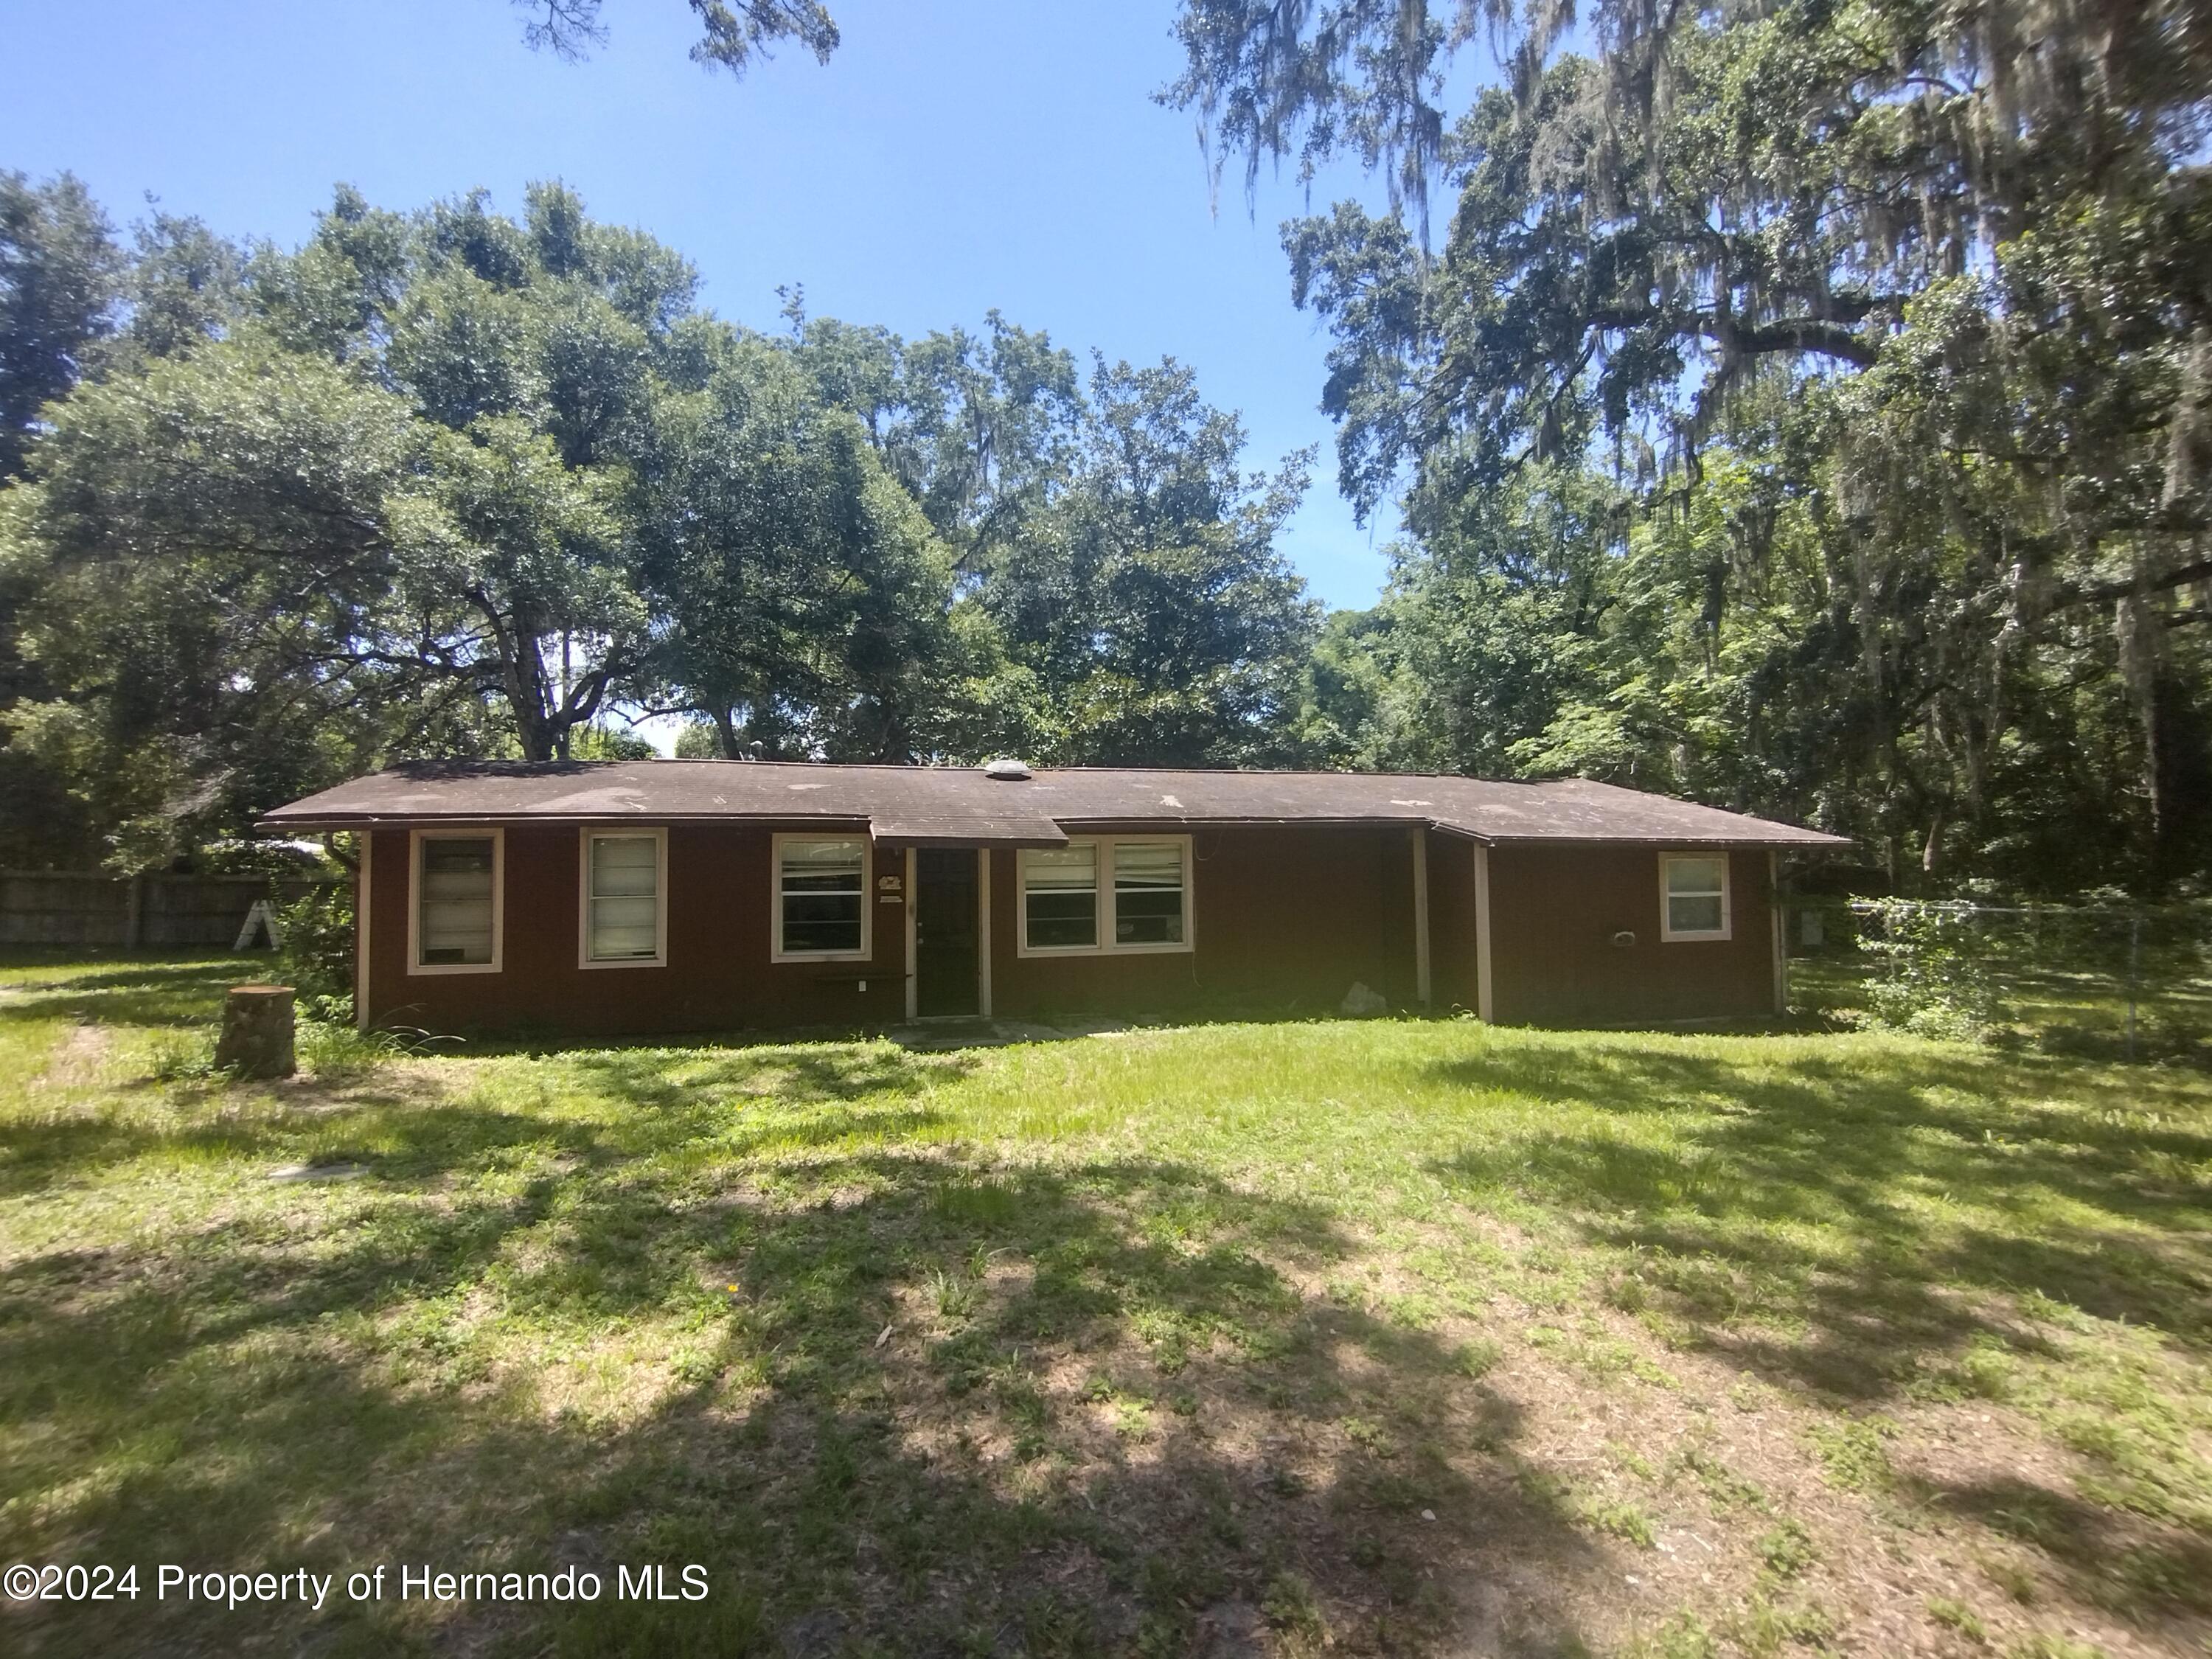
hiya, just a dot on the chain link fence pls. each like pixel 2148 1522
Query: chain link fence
pixel 2102 981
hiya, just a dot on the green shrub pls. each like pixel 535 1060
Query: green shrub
pixel 1932 973
pixel 317 955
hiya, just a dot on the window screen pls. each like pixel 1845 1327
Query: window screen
pixel 1147 892
pixel 1697 896
pixel 623 919
pixel 455 893
pixel 820 894
pixel 1059 897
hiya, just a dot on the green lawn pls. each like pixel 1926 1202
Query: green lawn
pixel 1384 1337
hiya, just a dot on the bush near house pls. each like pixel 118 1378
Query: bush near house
pixel 317 955
pixel 1391 1336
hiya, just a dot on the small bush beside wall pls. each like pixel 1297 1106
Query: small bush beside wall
pixel 317 955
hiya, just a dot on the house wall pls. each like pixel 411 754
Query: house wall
pixel 1554 912
pixel 1285 919
pixel 1452 972
pixel 718 976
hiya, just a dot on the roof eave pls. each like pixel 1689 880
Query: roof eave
pixel 1810 841
pixel 331 823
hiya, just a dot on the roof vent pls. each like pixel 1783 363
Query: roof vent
pixel 1007 771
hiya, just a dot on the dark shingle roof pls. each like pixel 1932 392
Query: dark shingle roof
pixel 960 805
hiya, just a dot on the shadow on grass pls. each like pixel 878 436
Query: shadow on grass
pixel 901 1404
pixel 809 1073
pixel 161 992
pixel 731 1101
pixel 409 1133
pixel 1861 1195
pixel 2122 1561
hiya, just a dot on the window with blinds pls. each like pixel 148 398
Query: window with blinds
pixel 456 901
pixel 821 897
pixel 1059 897
pixel 1107 894
pixel 622 907
pixel 1148 892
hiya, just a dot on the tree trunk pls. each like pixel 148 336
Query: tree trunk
pixel 257 1031
pixel 540 734
pixel 2139 630
pixel 2184 777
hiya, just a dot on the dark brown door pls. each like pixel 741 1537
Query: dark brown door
pixel 945 947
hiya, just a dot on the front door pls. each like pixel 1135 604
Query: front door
pixel 945 947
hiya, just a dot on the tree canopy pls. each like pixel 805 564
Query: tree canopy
pixel 1881 326
pixel 733 34
pixel 1801 406
pixel 452 481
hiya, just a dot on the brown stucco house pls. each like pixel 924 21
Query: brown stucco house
pixel 633 897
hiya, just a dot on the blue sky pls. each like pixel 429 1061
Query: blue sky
pixel 953 156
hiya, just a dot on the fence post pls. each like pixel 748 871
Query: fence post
pixel 133 920
pixel 2135 952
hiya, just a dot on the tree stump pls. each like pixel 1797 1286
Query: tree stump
pixel 257 1031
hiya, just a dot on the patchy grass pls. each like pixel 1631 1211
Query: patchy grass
pixel 1386 1337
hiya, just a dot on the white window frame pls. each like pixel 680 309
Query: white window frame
pixel 416 965
pixel 1668 933
pixel 608 832
pixel 1107 945
pixel 776 953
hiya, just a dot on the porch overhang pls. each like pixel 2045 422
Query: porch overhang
pixel 964 830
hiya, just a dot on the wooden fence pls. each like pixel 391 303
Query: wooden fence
pixel 76 907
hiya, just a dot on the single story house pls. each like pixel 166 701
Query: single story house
pixel 617 897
